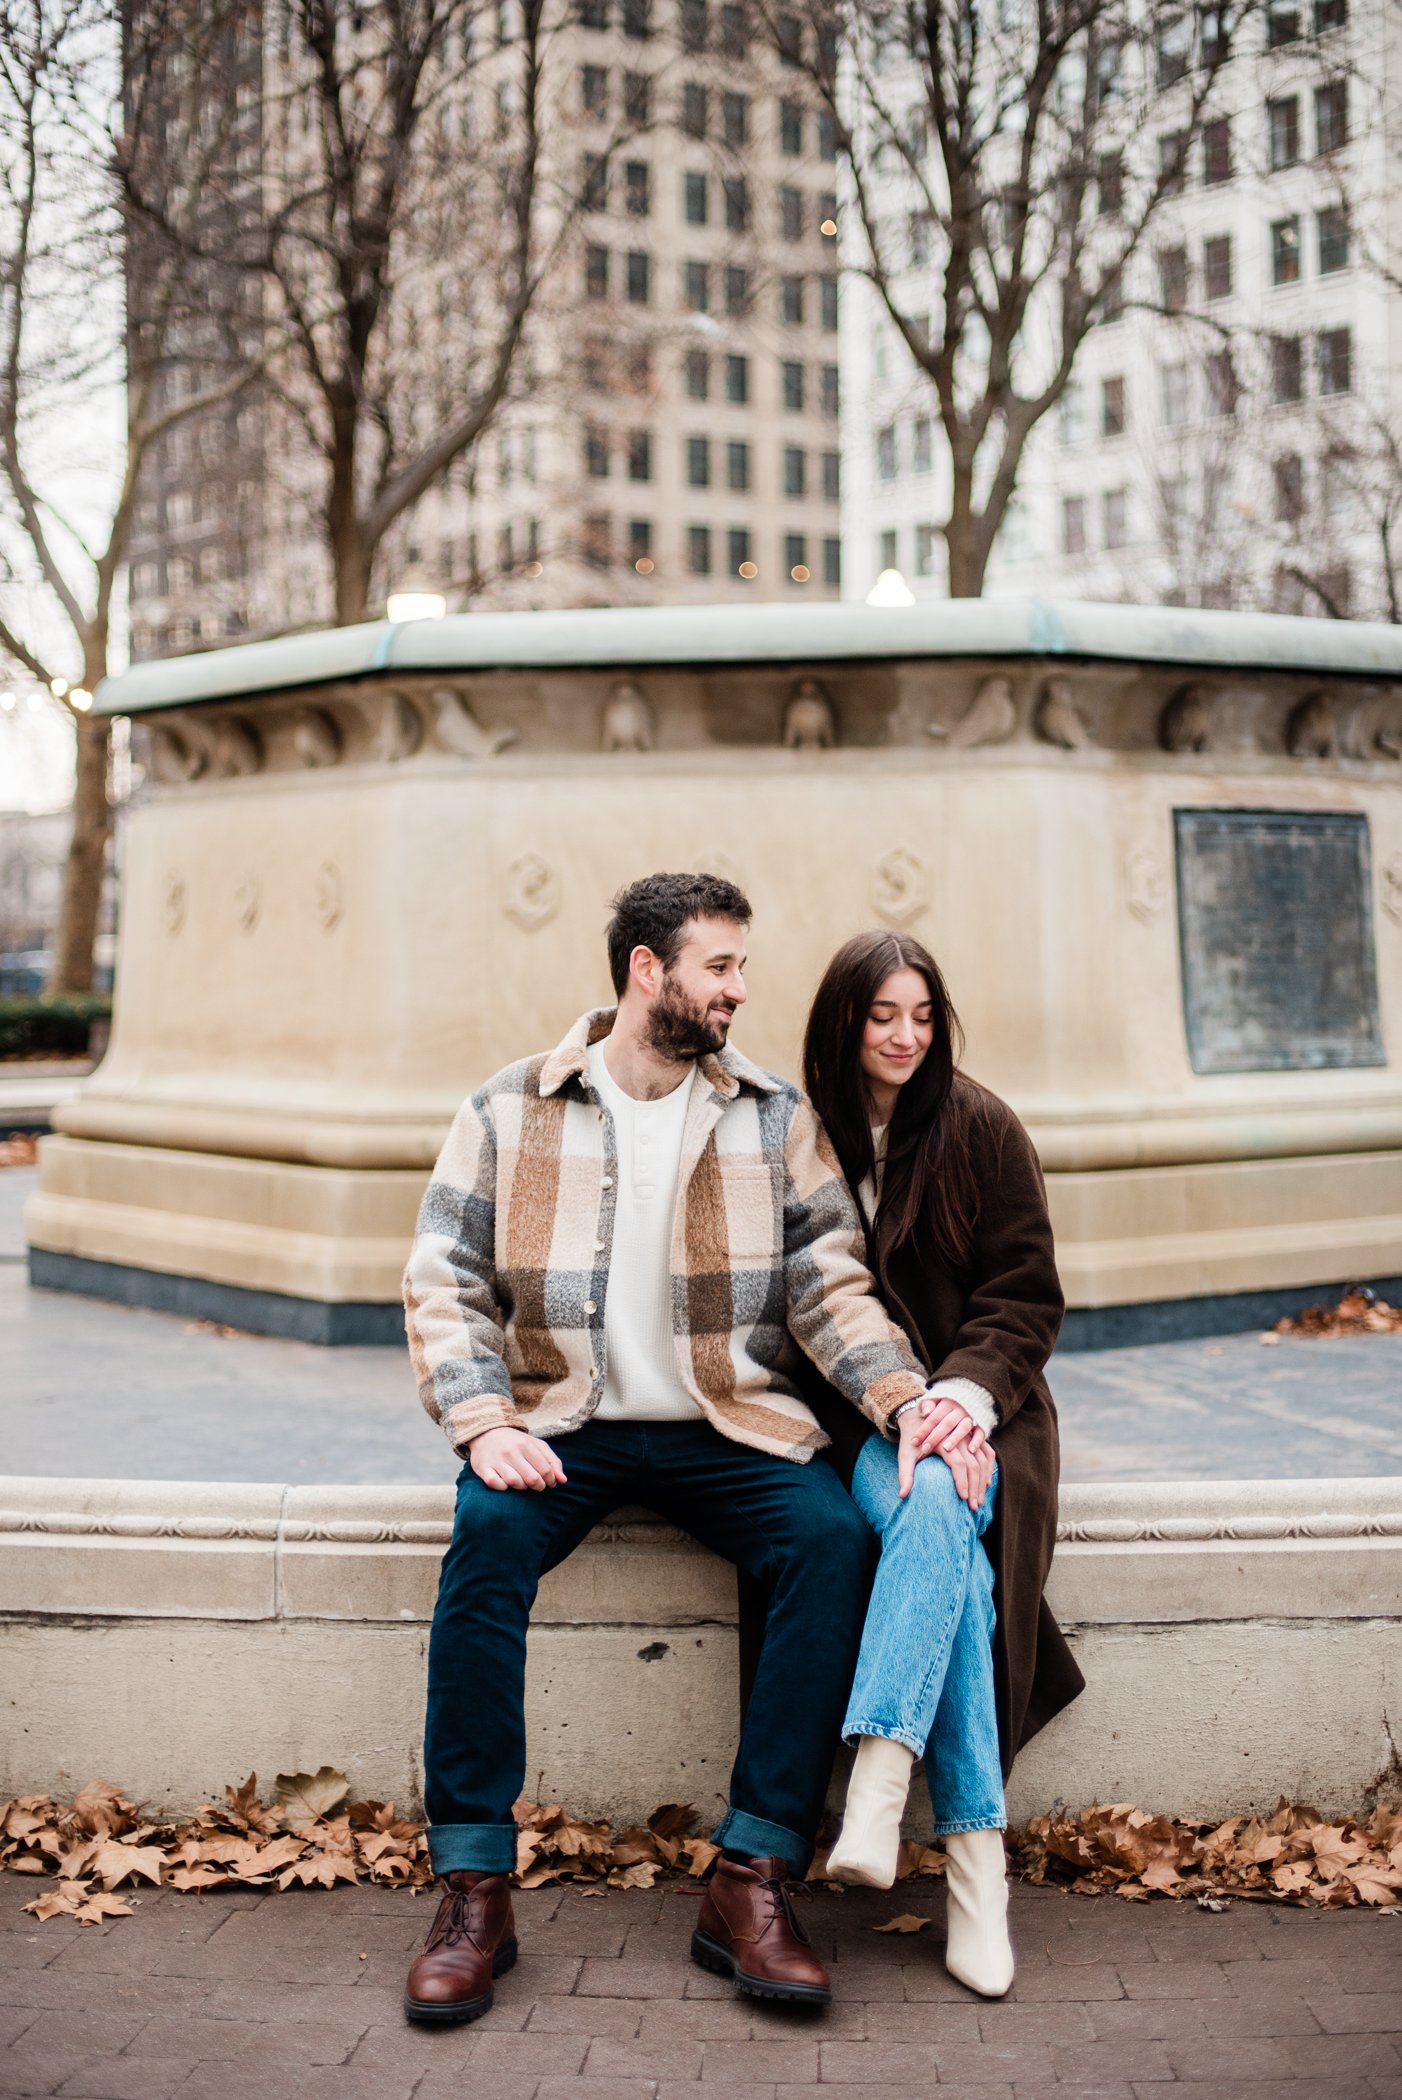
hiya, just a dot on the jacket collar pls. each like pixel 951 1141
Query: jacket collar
pixel 725 1071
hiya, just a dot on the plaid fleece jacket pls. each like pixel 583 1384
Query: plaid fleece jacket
pixel 506 1284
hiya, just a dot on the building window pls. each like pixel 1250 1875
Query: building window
pixel 1282 23
pixel 1172 49
pixel 1217 151
pixel 1336 361
pixel 737 290
pixel 734 32
pixel 795 471
pixel 1288 479
pixel 790 127
pixel 1173 394
pixel 593 14
pixel 640 455
pixel 637 189
pixel 735 119
pixel 1333 240
pixel 1223 387
pixel 695 200
pixel 1214 37
pixel 886 466
pixel 737 380
pixel 832 477
pixel 637 18
pixel 737 549
pixel 1112 408
pixel 1114 510
pixel 698 374
pixel 1285 251
pixel 1217 266
pixel 1331 117
pixel 594 183
pixel 831 394
pixel 1287 369
pixel 1173 150
pixel 1329 14
pixel 596 272
pixel 698 462
pixel 1073 524
pixel 737 465
pixel 1110 184
pixel 921 445
pixel 791 301
pixel 594 90
pixel 791 213
pixel 788 37
pixel 832 563
pixel 694 25
pixel 698 549
pixel 827 136
pixel 598 540
pixel 1283 121
pixel 596 453
pixel 737 203
pixel 695 106
pixel 1112 301
pixel 640 544
pixel 696 287
pixel 639 276
pixel 796 557
pixel 637 99
pixel 924 550
pixel 827 303
pixel 1173 279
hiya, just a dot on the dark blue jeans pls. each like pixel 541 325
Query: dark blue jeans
pixel 791 1527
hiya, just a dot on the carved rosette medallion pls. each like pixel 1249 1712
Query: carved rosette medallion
pixel 174 900
pixel 530 891
pixel 247 900
pixel 328 895
pixel 1392 887
pixel 900 886
pixel 1146 883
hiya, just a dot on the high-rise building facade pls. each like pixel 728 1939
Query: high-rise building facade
pixel 670 430
pixel 1233 429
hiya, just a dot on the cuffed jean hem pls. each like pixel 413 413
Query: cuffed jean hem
pixel 853 1730
pixel 998 1821
pixel 475 1848
pixel 738 1831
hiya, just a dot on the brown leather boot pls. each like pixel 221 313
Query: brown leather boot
pixel 747 1930
pixel 472 1939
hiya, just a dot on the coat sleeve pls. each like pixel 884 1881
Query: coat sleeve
pixel 1014 1305
pixel 452 1309
pixel 834 1313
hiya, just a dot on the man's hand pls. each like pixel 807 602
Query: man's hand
pixel 512 1458
pixel 941 1428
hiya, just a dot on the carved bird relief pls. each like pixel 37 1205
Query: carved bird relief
pixel 316 737
pixel 1058 720
pixel 459 730
pixel 629 724
pixel 1310 730
pixel 178 755
pixel 809 721
pixel 1185 722
pixel 401 728
pixel 990 719
pixel 238 748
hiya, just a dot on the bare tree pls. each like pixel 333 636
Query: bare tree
pixel 68 341
pixel 1034 144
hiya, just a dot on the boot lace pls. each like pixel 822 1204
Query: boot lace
pixel 779 1900
pixel 454 1920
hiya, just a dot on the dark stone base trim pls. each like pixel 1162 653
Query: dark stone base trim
pixel 1186 1319
pixel 364 1324
pixel 228 1304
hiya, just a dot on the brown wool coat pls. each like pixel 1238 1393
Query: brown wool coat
pixel 997 1324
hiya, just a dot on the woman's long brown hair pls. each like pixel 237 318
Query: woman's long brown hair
pixel 928 1183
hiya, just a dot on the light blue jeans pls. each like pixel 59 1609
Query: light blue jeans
pixel 925 1672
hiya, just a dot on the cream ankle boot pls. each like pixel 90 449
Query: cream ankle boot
pixel 978 1951
pixel 868 1847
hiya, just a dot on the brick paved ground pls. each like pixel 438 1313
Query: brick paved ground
pixel 268 1997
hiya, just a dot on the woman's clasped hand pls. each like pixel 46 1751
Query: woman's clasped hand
pixel 942 1429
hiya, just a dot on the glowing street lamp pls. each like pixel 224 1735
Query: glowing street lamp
pixel 890 589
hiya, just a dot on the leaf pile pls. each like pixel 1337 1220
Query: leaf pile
pixel 1357 1312
pixel 552 1846
pixel 1294 1857
pixel 19 1151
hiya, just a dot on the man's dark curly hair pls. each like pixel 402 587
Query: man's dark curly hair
pixel 654 913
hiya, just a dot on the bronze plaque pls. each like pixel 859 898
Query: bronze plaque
pixel 1275 924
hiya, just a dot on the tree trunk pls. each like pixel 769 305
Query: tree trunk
pixel 352 578
pixel 72 968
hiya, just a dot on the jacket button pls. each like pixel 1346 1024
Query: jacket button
pixel 591 1307
pixel 607 1182
pixel 598 1246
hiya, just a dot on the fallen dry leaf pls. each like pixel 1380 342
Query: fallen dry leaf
pixel 305 1798
pixel 1357 1312
pixel 906 1922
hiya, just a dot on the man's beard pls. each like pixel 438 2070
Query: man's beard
pixel 677 1030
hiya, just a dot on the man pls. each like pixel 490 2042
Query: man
pixel 621 1245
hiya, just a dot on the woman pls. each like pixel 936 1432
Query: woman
pixel 961 1659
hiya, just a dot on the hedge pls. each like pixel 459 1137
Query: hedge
pixel 59 1027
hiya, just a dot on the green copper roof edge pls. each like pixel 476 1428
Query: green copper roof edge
pixel 642 637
